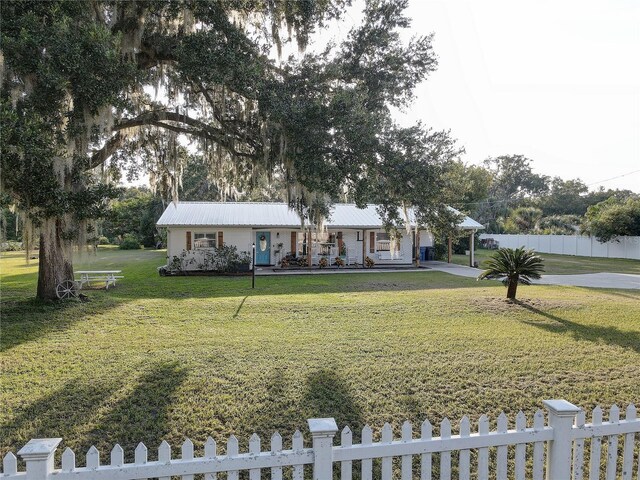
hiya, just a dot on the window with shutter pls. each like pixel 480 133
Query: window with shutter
pixel 220 239
pixel 372 242
pixel 204 240
pixel 188 240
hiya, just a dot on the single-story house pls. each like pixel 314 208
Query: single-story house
pixel 351 232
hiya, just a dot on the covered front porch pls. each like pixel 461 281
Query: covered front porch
pixel 348 247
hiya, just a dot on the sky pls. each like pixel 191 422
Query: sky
pixel 556 81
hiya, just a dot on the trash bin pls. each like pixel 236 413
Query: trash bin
pixel 430 254
pixel 423 254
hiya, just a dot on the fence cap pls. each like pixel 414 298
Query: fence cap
pixel 561 407
pixel 39 448
pixel 319 426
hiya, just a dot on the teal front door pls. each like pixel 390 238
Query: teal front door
pixel 263 248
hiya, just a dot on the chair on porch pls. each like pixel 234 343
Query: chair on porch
pixel 352 254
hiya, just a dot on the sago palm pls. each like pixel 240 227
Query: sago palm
pixel 513 267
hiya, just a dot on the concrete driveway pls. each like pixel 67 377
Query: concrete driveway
pixel 594 280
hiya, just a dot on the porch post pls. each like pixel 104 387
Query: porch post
pixel 472 239
pixel 364 245
pixel 309 246
pixel 416 253
pixel 253 265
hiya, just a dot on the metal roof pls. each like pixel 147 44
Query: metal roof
pixel 264 214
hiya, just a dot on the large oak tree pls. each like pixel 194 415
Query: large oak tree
pixel 92 88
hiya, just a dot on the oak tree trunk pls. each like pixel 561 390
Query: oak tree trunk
pixel 55 264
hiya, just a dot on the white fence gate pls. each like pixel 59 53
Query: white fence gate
pixel 579 245
pixel 555 451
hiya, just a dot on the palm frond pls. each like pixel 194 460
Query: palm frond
pixel 509 264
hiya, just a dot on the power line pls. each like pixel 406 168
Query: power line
pixel 490 202
pixel 613 178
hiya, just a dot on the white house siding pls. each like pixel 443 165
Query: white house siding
pixel 354 247
pixel 426 239
pixel 177 240
pixel 242 239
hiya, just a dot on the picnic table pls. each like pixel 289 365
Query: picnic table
pixel 107 276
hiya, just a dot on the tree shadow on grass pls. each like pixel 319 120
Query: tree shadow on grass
pixel 327 394
pixel 82 414
pixel 144 413
pixel 288 403
pixel 27 320
pixel 626 295
pixel 61 413
pixel 609 335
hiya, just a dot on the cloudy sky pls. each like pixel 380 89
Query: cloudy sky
pixel 557 81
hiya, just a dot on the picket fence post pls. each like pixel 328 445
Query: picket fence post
pixel 322 433
pixel 38 455
pixel 561 418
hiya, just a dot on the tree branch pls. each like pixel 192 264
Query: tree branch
pixel 159 119
pixel 150 117
pixel 229 124
pixel 156 50
pixel 200 128
pixel 109 148
pixel 187 131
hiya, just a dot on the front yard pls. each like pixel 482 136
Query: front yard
pixel 164 358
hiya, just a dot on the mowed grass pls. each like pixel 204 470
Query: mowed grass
pixel 165 358
pixel 567 264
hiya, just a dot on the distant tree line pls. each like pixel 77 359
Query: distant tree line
pixel 133 215
pixel 506 196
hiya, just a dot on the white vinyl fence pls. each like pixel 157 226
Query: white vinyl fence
pixel 582 246
pixel 555 451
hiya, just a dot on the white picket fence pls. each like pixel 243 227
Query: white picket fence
pixel 578 245
pixel 555 451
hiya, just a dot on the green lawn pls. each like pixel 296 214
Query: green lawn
pixel 568 264
pixel 163 358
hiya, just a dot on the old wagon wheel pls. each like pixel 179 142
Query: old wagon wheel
pixel 67 289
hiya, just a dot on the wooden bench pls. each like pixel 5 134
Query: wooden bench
pixel 109 277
